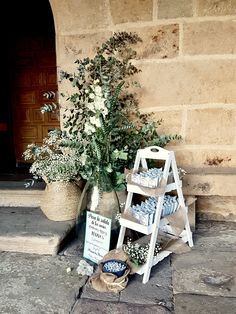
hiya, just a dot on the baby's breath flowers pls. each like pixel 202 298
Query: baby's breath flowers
pixel 51 161
pixel 138 253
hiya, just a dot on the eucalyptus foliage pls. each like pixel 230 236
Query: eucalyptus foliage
pixel 105 124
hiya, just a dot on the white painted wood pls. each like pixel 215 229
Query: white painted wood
pixel 156 260
pixel 138 190
pixel 136 226
pixel 156 153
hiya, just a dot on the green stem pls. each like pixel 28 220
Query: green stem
pixel 80 205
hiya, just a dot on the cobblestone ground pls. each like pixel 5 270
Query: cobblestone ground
pixel 200 281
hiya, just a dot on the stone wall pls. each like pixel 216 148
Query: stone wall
pixel 188 63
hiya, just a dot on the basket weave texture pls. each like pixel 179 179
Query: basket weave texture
pixel 60 201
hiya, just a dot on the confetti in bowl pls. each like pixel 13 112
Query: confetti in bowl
pixel 114 266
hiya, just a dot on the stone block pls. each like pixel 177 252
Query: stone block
pixel 212 37
pixel 190 202
pixel 218 7
pixel 38 284
pixel 169 9
pixel 195 304
pixel 158 42
pixel 205 273
pixel 75 15
pixel 216 208
pixel 186 83
pixel 214 235
pixel 124 11
pixel 209 184
pixel 27 230
pixel 84 306
pixel 210 126
pixel 205 158
pixel 157 289
pixel 28 198
pixel 79 46
pixel 92 294
pixel 171 122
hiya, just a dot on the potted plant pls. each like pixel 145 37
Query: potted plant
pixel 104 122
pixel 58 167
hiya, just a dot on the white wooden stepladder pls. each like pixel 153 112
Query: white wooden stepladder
pixel 156 153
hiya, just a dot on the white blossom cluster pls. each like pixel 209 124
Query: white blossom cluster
pixel 58 167
pixel 51 161
pixel 138 253
pixel 96 106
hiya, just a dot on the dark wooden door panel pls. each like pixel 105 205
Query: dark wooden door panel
pixel 35 73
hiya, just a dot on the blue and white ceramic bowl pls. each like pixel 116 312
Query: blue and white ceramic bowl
pixel 114 266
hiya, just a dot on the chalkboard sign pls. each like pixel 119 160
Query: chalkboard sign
pixel 97 236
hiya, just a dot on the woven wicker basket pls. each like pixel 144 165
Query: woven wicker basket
pixel 60 201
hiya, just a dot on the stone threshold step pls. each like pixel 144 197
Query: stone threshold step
pixel 19 197
pixel 27 230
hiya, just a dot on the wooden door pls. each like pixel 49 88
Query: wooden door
pixel 29 59
pixel 34 74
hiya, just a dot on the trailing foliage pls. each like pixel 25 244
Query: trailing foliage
pixel 105 123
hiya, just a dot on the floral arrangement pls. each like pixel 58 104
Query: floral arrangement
pixel 105 124
pixel 138 253
pixel 51 161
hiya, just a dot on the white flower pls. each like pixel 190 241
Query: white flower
pixel 105 112
pixel 98 90
pixel 83 159
pixel 99 103
pixel 89 129
pixel 91 96
pixel 95 121
pixel 91 106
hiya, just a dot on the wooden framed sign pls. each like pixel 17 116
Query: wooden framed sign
pixel 97 236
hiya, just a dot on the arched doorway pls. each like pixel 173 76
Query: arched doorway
pixel 28 63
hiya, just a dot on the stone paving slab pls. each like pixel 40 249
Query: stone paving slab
pixel 90 293
pixel 86 306
pixel 214 236
pixel 202 304
pixel 74 248
pixel 27 230
pixel 209 273
pixel 158 290
pixel 38 284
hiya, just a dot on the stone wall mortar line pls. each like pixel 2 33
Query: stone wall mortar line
pixel 154 11
pixel 195 7
pixel 177 20
pixel 189 107
pixel 181 38
pixel 109 16
pixel 184 125
pixel 187 58
pixel 219 147
pixel 235 128
pixel 157 22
